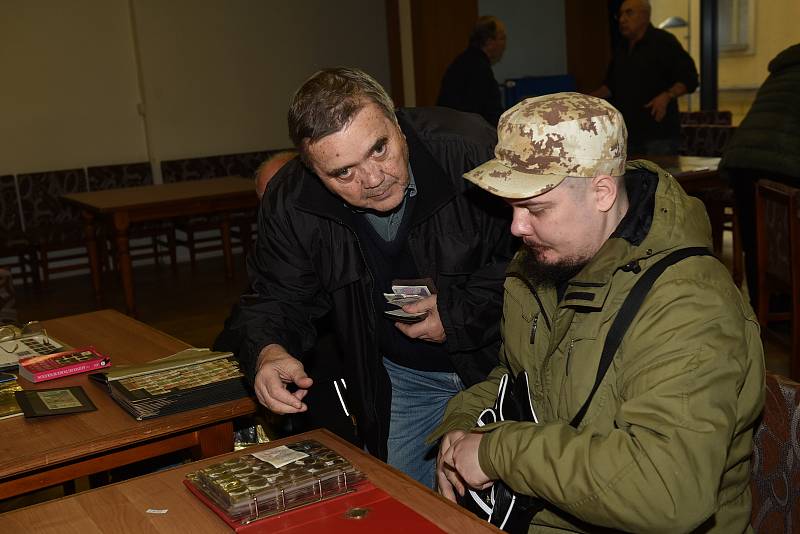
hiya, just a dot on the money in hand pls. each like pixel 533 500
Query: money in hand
pixel 403 295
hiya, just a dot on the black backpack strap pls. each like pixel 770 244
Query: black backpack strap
pixel 627 312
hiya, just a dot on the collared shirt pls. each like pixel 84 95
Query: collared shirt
pixel 386 224
pixel 636 76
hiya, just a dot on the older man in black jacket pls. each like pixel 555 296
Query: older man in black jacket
pixel 378 196
pixel 648 72
pixel 469 83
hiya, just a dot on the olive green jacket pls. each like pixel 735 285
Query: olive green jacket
pixel 665 445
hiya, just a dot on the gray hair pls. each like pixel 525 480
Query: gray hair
pixel 329 100
pixel 484 29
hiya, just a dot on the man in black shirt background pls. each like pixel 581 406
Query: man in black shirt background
pixel 468 83
pixel 648 72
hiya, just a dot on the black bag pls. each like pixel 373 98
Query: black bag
pixel 499 504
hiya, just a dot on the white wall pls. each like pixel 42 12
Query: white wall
pixel 216 75
pixel 69 93
pixel 536 30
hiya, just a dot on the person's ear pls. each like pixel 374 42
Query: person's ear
pixel 605 190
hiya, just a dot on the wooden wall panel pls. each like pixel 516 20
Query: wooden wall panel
pixel 588 42
pixel 395 56
pixel 441 30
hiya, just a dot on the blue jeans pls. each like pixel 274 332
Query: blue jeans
pixel 418 402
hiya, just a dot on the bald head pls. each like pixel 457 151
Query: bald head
pixel 270 168
pixel 634 17
pixel 489 34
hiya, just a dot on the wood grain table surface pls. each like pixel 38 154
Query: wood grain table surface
pixel 123 507
pixel 35 453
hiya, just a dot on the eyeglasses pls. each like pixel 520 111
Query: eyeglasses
pixel 31 329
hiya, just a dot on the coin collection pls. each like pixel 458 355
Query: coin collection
pixel 246 487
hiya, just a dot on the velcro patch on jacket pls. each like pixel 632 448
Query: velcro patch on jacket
pixel 580 295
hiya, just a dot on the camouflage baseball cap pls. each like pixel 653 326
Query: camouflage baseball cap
pixel 543 140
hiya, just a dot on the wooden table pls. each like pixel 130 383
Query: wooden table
pixel 36 453
pixel 694 173
pixel 121 207
pixel 123 507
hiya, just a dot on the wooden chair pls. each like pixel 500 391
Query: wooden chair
pixel 17 251
pixel 160 235
pixel 8 308
pixel 778 249
pixel 204 234
pixel 54 225
pixel 709 140
pixel 723 118
pixel 775 465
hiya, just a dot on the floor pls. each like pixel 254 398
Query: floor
pixel 191 304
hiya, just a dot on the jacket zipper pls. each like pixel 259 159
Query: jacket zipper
pixel 533 328
pixel 569 354
pixel 371 283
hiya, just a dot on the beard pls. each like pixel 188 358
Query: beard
pixel 541 272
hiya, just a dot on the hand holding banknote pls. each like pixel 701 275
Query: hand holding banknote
pixel 430 327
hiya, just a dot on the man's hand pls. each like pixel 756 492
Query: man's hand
pixel 447 479
pixel 658 105
pixel 430 328
pixel 276 369
pixel 457 464
pixel 465 460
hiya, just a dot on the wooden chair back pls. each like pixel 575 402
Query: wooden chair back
pixel 778 249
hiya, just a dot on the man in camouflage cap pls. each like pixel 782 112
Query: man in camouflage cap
pixel 664 443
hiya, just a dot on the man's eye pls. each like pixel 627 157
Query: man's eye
pixel 380 150
pixel 344 173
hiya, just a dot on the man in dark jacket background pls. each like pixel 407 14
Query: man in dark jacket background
pixel 378 196
pixel 648 72
pixel 765 145
pixel 469 83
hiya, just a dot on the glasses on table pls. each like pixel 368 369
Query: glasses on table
pixel 33 329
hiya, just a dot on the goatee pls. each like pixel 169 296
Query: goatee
pixel 556 273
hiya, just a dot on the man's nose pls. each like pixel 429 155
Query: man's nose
pixel 520 222
pixel 373 175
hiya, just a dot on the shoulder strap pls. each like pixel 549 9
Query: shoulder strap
pixel 626 314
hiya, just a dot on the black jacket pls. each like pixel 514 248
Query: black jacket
pixel 308 261
pixel 768 139
pixel 469 85
pixel 637 76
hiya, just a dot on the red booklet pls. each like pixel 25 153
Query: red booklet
pixel 367 509
pixel 60 364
